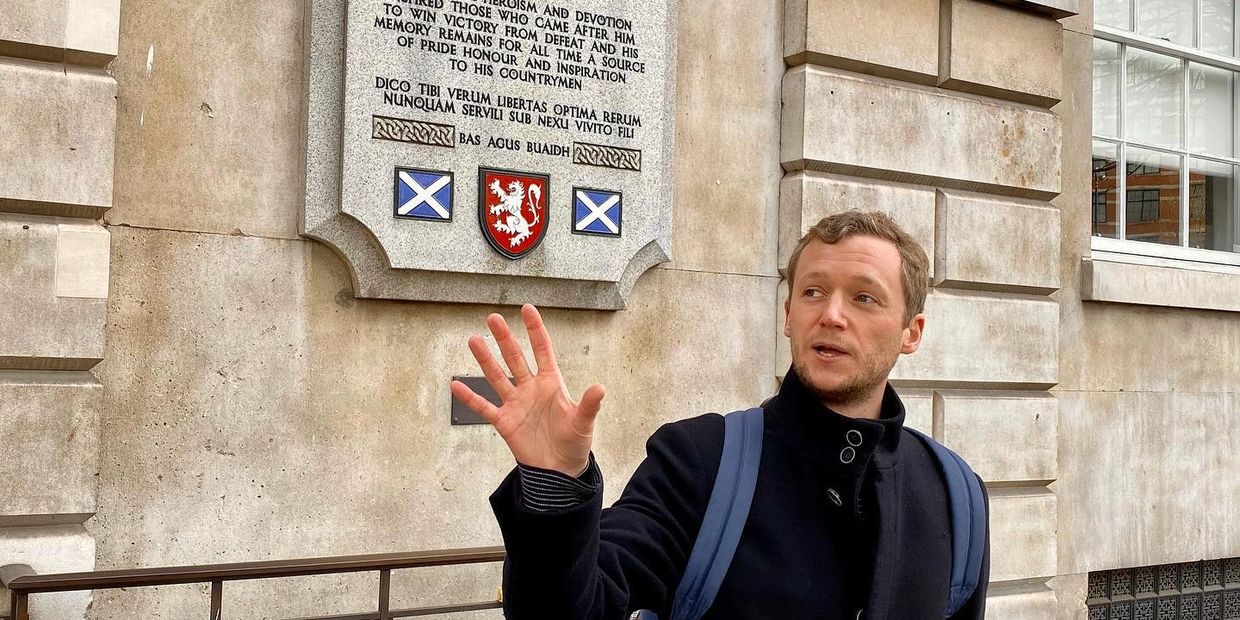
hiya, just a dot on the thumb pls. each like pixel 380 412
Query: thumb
pixel 588 408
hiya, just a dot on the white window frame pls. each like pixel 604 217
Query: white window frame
pixel 1125 40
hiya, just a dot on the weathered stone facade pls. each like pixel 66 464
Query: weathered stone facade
pixel 186 379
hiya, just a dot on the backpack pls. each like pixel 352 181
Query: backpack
pixel 730 499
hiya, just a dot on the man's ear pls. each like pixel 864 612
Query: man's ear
pixel 787 307
pixel 911 340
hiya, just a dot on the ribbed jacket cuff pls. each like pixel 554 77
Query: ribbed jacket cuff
pixel 545 490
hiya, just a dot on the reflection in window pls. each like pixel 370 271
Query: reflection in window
pixel 1211 219
pixel 1152 201
pixel 1166 151
pixel 1105 184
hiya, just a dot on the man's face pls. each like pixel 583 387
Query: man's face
pixel 845 317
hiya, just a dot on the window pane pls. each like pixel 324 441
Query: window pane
pixel 1210 110
pixel 1106 87
pixel 1154 182
pixel 1212 213
pixel 1115 13
pixel 1218 18
pixel 1169 20
pixel 1153 98
pixel 1105 183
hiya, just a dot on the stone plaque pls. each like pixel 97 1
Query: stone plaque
pixel 492 151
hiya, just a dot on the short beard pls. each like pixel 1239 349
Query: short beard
pixel 854 391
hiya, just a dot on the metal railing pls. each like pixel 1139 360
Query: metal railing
pixel 22 581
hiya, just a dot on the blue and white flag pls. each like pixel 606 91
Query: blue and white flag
pixel 423 194
pixel 596 212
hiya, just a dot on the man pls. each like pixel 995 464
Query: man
pixel 850 516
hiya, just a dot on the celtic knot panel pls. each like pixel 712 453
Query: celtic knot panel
pixel 415 132
pixel 607 156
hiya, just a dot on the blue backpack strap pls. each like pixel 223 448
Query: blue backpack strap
pixel 725 518
pixel 968 515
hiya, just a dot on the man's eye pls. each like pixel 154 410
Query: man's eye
pixel 812 292
pixel 866 299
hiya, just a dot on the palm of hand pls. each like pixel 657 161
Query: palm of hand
pixel 541 424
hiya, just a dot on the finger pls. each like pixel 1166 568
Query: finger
pixel 588 408
pixel 540 340
pixel 490 368
pixel 509 348
pixel 478 404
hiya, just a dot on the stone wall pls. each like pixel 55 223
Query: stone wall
pixel 249 407
pixel 937 113
pixel 1149 389
pixel 58 111
pixel 255 409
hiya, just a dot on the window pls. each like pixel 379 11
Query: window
pixel 1166 96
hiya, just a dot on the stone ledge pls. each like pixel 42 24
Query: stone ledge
pixel 1156 282
pixel 867 126
pixel 1057 9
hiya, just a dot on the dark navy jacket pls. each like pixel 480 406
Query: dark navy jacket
pixel 825 539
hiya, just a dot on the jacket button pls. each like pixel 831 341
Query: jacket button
pixel 835 497
pixel 847 455
pixel 853 437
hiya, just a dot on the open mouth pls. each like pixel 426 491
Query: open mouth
pixel 827 351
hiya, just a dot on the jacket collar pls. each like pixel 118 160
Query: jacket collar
pixel 825 435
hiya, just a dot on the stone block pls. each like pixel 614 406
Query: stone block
pixel 51 432
pixel 92 30
pixel 718 193
pixel 1133 281
pixel 267 388
pixel 896 39
pixel 42 330
pixel 58 549
pixel 82 253
pixel 34 30
pixel 1022 536
pixel 1004 436
pixel 985 242
pixel 918 409
pixel 1147 478
pixel 77 32
pixel 1123 347
pixel 1020 604
pixel 999 51
pixel 807 197
pixel 66 171
pixel 1003 341
pixel 211 146
pixel 867 126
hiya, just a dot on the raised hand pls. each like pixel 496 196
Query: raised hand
pixel 542 425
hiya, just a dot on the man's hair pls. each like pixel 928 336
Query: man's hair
pixel 914 266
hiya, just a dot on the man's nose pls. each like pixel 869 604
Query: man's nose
pixel 833 313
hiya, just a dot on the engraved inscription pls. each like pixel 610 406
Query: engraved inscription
pixel 416 132
pixel 607 156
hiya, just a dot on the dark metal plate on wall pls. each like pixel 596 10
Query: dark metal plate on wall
pixel 464 415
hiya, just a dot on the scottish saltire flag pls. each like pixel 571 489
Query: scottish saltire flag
pixel 597 212
pixel 423 194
